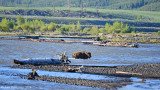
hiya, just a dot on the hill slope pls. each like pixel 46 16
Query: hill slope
pixel 105 4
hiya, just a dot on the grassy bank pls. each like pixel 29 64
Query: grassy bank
pixel 8 34
pixel 146 38
pixel 51 35
pixel 116 14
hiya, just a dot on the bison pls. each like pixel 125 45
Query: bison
pixel 81 55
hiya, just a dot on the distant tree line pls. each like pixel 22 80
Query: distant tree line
pixel 32 26
pixel 106 4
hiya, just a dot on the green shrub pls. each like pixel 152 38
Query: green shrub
pixel 158 33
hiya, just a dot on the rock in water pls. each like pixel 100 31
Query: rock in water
pixel 81 55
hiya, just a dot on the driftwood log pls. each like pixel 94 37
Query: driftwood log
pixel 38 61
pixel 81 55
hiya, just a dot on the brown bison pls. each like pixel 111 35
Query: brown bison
pixel 81 55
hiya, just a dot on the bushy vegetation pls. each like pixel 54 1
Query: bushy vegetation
pixel 158 33
pixel 6 25
pixel 26 26
pixel 32 26
pixel 117 27
pixel 109 4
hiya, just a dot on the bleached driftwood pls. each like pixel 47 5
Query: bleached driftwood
pixel 127 73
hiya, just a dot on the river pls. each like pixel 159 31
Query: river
pixel 101 56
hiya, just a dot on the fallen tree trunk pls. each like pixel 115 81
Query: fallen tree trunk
pixel 38 61
pixel 127 73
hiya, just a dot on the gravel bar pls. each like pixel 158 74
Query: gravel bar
pixel 107 84
pixel 138 70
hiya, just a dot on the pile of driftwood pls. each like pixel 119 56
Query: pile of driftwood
pixel 115 44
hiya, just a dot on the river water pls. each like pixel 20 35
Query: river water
pixel 15 49
pixel 102 56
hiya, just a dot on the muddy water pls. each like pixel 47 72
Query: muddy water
pixel 103 56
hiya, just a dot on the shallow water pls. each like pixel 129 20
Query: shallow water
pixel 10 80
pixel 101 56
pixel 149 84
pixel 12 72
pixel 15 49
pixel 17 83
pixel 75 39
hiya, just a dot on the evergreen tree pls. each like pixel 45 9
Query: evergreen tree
pixel 158 33
pixel 5 25
pixel 139 17
pixel 25 28
pixel 43 28
pixel 72 28
pixel 117 27
pixel 11 23
pixel 94 30
pixel 78 29
pixel 86 30
pixel 20 20
pixel 52 26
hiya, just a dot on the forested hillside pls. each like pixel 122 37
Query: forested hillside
pixel 148 5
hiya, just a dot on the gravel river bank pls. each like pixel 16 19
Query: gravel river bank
pixel 138 70
pixel 143 71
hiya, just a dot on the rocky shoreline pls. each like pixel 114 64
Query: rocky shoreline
pixel 107 84
pixel 143 71
pixel 86 82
